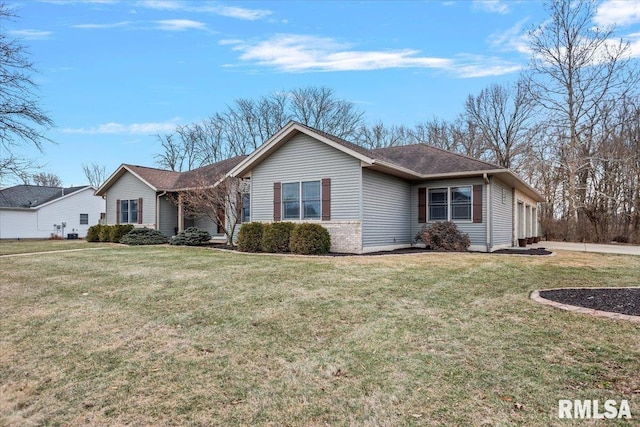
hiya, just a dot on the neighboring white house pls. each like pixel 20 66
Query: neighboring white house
pixel 34 212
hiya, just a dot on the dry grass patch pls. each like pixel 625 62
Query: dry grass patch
pixel 191 336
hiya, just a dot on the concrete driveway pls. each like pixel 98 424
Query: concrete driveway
pixel 589 247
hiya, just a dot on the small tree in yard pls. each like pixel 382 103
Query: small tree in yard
pixel 217 198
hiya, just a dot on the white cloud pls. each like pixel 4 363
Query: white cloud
pixel 296 53
pixel 618 12
pixel 163 25
pixel 103 26
pixel 493 6
pixel 31 34
pixel 303 53
pixel 128 129
pixel 200 7
pixel 513 39
pixel 180 25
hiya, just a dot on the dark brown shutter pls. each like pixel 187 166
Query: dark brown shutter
pixel 118 211
pixel 477 203
pixel 422 205
pixel 140 210
pixel 326 199
pixel 277 200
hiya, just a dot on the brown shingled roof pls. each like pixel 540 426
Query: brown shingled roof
pixel 428 160
pixel 421 158
pixel 159 178
pixel 210 173
pixel 164 180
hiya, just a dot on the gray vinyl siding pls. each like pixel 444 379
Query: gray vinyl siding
pixel 477 231
pixel 501 213
pixel 386 210
pixel 168 217
pixel 128 187
pixel 304 159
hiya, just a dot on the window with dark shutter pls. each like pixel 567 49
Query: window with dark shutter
pixel 118 211
pixel 277 200
pixel 140 210
pixel 477 203
pixel 326 199
pixel 422 205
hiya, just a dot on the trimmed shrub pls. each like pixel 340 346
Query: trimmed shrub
pixel 444 236
pixel 144 236
pixel 250 237
pixel 310 239
pixel 104 234
pixel 275 236
pixel 93 233
pixel 117 231
pixel 192 236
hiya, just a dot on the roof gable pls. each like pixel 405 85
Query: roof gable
pixel 165 180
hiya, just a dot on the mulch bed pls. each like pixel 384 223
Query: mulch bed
pixel 623 301
pixel 414 250
pixel 530 251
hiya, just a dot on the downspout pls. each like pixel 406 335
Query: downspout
pixel 158 209
pixel 487 183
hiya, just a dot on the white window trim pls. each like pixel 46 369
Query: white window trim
pixel 300 209
pixel 448 188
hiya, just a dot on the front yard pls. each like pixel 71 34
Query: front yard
pixel 184 336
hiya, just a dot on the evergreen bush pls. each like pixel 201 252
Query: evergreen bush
pixel 117 231
pixel 144 236
pixel 93 233
pixel 104 234
pixel 192 236
pixel 275 236
pixel 310 239
pixel 250 237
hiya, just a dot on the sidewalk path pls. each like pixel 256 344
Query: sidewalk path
pixel 52 252
pixel 589 247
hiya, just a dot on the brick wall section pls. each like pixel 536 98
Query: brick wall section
pixel 346 236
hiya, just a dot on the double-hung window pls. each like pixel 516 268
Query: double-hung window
pixel 301 200
pixel 461 203
pixel 84 219
pixel 129 211
pixel 450 204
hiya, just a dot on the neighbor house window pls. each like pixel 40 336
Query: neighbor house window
pixel 450 204
pixel 301 200
pixel 84 219
pixel 129 211
pixel 246 208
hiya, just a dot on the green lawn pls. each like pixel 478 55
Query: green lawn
pixel 186 336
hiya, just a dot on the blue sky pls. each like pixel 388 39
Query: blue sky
pixel 112 74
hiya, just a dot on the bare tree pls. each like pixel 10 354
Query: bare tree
pixel 46 179
pixel 378 135
pixel 95 174
pixel 575 66
pixel 318 108
pixel 247 123
pixel 218 199
pixel 502 114
pixel 22 121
